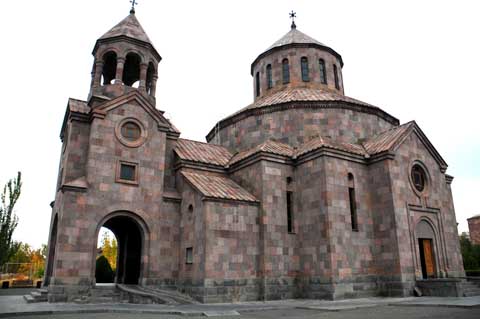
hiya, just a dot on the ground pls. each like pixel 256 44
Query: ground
pixel 12 305
pixel 391 312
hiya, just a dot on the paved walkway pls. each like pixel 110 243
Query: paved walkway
pixel 15 306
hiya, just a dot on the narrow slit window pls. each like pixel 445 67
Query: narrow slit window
pixel 189 255
pixel 285 71
pixel 290 227
pixel 323 71
pixel 304 65
pixel 353 203
pixel 335 74
pixel 269 76
pixel 257 84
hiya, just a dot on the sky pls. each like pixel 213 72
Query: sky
pixel 417 60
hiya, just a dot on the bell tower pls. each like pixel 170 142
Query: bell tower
pixel 124 60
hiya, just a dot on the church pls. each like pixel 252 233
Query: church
pixel 304 193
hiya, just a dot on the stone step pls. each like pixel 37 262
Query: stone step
pixel 471 294
pixel 29 298
pixel 43 291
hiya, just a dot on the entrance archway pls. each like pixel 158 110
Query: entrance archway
pixel 426 243
pixel 51 251
pixel 130 236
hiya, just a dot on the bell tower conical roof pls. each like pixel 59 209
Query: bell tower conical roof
pixel 129 29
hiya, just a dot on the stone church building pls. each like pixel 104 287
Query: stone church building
pixel 304 193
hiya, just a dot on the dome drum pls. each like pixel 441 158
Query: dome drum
pixel 287 71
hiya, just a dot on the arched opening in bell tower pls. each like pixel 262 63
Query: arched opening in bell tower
pixel 129 235
pixel 109 68
pixel 131 70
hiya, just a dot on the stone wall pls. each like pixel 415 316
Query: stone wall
pixel 298 124
pixel 294 56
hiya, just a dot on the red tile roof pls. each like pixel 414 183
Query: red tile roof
pixel 220 187
pixel 319 142
pixel 268 146
pixel 303 94
pixel 387 140
pixel 202 152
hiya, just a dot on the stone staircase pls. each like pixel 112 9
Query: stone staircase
pixel 147 295
pixel 38 295
pixel 471 288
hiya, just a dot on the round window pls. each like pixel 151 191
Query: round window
pixel 419 177
pixel 131 131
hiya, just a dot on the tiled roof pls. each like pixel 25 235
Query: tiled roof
pixel 300 95
pixel 202 152
pixel 387 140
pixel 294 36
pixel 78 106
pixel 218 187
pixel 319 142
pixel 129 27
pixel 269 146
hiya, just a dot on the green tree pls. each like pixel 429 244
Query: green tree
pixel 103 271
pixel 8 219
pixel 470 253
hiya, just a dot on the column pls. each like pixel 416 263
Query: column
pixel 143 76
pixel 154 85
pixel 119 71
pixel 98 74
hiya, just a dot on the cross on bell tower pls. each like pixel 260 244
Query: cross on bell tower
pixel 293 15
pixel 134 3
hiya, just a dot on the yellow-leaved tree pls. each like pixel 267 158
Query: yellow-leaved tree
pixel 109 249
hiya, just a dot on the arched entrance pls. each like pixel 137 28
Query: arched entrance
pixel 130 237
pixel 426 242
pixel 51 251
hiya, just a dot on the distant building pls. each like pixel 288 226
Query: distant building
pixel 304 193
pixel 474 229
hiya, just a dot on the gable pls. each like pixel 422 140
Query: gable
pixel 137 99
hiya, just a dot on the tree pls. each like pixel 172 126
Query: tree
pixel 8 219
pixel 470 253
pixel 109 249
pixel 103 271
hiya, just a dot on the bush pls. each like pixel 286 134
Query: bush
pixel 473 273
pixel 103 270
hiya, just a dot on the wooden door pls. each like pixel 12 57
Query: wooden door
pixel 429 258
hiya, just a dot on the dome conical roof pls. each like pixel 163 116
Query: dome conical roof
pixel 294 36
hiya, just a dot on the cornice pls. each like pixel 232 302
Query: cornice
pixel 301 105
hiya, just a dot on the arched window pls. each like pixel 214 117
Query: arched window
pixel 269 76
pixel 150 73
pixel 335 74
pixel 131 70
pixel 323 71
pixel 304 64
pixel 109 67
pixel 285 71
pixel 353 204
pixel 257 84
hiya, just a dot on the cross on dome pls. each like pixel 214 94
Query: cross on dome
pixel 293 15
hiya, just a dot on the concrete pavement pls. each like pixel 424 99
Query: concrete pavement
pixel 16 306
